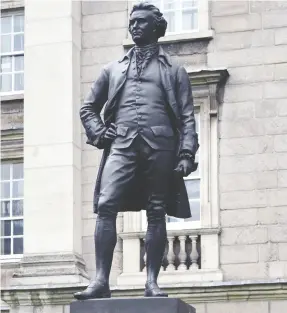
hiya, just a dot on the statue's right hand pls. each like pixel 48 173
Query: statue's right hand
pixel 111 132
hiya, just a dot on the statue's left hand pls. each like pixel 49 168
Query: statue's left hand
pixel 184 167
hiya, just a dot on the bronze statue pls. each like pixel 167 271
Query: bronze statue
pixel 149 141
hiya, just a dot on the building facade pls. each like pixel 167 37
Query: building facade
pixel 232 255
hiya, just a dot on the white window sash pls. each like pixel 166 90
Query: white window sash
pixel 178 21
pixel 11 217
pixel 13 53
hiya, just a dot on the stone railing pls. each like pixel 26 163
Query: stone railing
pixel 182 253
pixel 190 256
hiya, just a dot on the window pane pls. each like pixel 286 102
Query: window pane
pixel 5 246
pixel 19 81
pixel 6 64
pixel 19 63
pixel 193 188
pixel 173 219
pixel 18 189
pixel 5 171
pixel 5 228
pixel 6 25
pixel 19 42
pixel 18 227
pixel 189 20
pixel 169 5
pixel 17 207
pixel 17 170
pixel 195 210
pixel 5 43
pixel 189 4
pixel 170 18
pixel 5 190
pixel 18 23
pixel 18 245
pixel 5 208
pixel 6 82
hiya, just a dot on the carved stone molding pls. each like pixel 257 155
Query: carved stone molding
pixel 204 292
pixel 12 143
pixel 209 82
pixel 53 269
pixel 200 231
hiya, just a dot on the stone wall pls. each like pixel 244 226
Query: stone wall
pixel 250 41
pixel 246 306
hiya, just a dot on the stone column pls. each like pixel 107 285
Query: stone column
pixel 52 144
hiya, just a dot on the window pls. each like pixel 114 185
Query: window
pixel 12 53
pixel 192 183
pixel 12 182
pixel 181 15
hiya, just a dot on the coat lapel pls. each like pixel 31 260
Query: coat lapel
pixel 165 73
pixel 110 105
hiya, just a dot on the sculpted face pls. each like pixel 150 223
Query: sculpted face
pixel 142 27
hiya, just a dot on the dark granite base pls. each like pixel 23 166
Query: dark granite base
pixel 132 305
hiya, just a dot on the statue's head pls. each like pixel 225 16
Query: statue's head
pixel 146 24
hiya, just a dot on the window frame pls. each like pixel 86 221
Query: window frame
pixel 13 54
pixel 11 218
pixel 12 149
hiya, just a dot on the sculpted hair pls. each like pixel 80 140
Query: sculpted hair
pixel 160 22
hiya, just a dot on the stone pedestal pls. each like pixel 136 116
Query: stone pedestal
pixel 132 305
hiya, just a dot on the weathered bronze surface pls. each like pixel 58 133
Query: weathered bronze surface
pixel 149 141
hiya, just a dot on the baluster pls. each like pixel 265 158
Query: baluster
pixel 194 254
pixel 170 254
pixel 182 254
pixel 144 258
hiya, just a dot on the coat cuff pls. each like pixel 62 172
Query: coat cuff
pixel 187 155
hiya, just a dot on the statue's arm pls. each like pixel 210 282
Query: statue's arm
pixel 91 109
pixel 189 143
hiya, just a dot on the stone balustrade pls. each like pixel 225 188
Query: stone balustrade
pixel 182 253
pixel 191 256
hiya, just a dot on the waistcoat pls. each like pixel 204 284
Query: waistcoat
pixel 141 109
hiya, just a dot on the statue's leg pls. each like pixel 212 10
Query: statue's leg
pixel 118 173
pixel 155 246
pixel 158 174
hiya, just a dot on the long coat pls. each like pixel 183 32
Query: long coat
pixel 178 92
